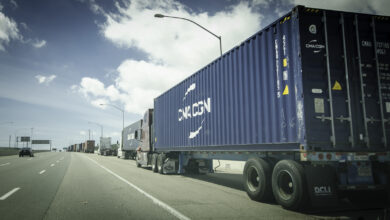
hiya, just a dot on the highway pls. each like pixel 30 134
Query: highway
pixel 65 185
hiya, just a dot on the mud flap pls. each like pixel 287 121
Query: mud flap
pixel 169 166
pixel 321 184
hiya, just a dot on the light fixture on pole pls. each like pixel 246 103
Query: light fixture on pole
pixel 186 19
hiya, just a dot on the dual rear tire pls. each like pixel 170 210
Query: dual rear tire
pixel 285 182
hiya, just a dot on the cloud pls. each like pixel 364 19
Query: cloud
pixel 24 25
pixel 14 4
pixel 380 7
pixel 92 86
pixel 38 43
pixel 8 31
pixel 176 42
pixel 175 48
pixel 45 79
pixel 83 133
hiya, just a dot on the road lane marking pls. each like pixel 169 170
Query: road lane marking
pixel 62 158
pixel 52 165
pixel 30 159
pixel 5 196
pixel 58 161
pixel 158 202
pixel 5 164
pixel 42 171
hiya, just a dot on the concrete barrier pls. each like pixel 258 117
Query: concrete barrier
pixel 5 151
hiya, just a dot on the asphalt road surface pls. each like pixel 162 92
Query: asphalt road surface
pixel 89 186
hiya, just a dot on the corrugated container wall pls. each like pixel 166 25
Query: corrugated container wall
pixel 280 90
pixel 244 99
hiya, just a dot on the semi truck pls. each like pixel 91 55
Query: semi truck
pixel 105 147
pixel 131 139
pixel 89 146
pixel 305 102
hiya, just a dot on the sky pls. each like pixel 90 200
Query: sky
pixel 59 60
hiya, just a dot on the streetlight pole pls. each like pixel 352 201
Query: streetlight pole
pixel 123 118
pixel 16 138
pixel 186 19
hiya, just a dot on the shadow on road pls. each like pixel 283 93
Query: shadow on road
pixel 362 205
pixel 232 180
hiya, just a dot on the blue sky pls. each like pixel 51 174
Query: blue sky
pixel 60 59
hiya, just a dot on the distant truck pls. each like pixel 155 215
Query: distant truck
pixel 305 102
pixel 131 140
pixel 105 147
pixel 89 146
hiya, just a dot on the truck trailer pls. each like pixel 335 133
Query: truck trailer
pixel 105 147
pixel 89 146
pixel 305 102
pixel 131 139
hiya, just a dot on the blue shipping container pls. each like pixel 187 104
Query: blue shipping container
pixel 308 81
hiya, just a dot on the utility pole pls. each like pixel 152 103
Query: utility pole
pixel 32 131
pixel 9 144
pixel 89 134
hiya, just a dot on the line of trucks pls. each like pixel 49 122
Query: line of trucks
pixel 305 102
pixel 86 147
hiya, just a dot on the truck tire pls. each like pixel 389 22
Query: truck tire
pixel 154 163
pixel 257 179
pixel 160 163
pixel 289 185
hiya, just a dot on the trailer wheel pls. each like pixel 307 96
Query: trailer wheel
pixel 154 163
pixel 160 162
pixel 289 185
pixel 257 179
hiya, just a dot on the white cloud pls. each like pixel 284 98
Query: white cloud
pixel 38 43
pixel 45 79
pixel 14 4
pixel 381 7
pixel 176 42
pixel 8 31
pixel 175 48
pixel 24 25
pixel 92 86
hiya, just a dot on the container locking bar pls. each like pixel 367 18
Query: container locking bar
pixel 379 82
pixel 333 138
pixel 367 139
pixel 351 138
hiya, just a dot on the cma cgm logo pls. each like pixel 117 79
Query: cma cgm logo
pixel 196 109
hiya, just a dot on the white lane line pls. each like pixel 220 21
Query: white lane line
pixel 58 161
pixel 30 159
pixel 62 158
pixel 5 164
pixel 42 171
pixel 5 196
pixel 158 202
pixel 52 165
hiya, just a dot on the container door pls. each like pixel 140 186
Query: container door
pixel 345 110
